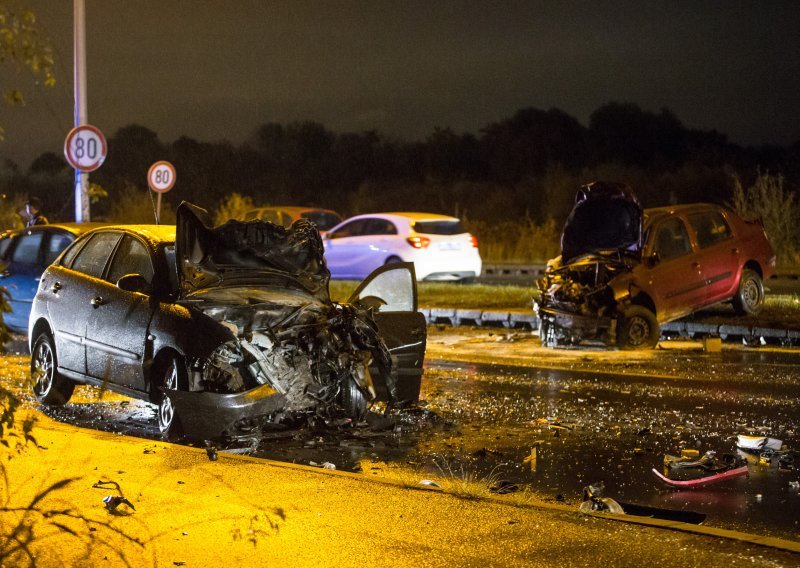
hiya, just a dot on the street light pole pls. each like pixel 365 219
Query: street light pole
pixel 81 115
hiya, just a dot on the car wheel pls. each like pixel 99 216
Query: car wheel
pixel 637 328
pixel 171 378
pixel 48 385
pixel 393 260
pixel 749 298
pixel 353 401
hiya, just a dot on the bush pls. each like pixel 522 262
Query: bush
pixel 769 200
pixel 133 205
pixel 232 207
pixel 516 241
pixel 10 205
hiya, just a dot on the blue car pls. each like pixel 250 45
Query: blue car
pixel 24 256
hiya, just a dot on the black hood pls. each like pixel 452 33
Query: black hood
pixel 256 253
pixel 606 216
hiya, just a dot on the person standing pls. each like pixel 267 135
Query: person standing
pixel 33 212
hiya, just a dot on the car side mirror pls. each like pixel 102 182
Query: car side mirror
pixel 653 259
pixel 134 283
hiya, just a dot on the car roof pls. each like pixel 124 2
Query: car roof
pixel 412 216
pixel 74 228
pixel 658 212
pixel 154 234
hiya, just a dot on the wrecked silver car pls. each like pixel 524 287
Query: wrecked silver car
pixel 624 271
pixel 229 329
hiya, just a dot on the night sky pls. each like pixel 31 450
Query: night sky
pixel 217 70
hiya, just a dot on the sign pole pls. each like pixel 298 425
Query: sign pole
pixel 158 209
pixel 81 116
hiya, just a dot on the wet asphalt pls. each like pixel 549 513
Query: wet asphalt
pixel 557 430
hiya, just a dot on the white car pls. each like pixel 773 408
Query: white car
pixel 438 246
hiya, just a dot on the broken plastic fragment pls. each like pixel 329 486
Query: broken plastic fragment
pixel 429 483
pixel 114 501
pixel 757 443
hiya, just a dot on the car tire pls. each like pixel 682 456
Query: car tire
pixel 173 377
pixel 637 328
pixel 353 400
pixel 393 260
pixel 749 297
pixel 49 386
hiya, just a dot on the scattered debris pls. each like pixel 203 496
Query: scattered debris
pixel 593 501
pixel 112 502
pixel 503 487
pixel 757 443
pixel 712 469
pixel 532 458
pixel 211 451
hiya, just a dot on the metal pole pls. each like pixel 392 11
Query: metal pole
pixel 158 209
pixel 81 115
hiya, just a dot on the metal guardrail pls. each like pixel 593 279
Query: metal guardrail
pixel 749 335
pixel 526 274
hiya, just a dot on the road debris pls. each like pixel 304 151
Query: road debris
pixel 112 502
pixel 706 471
pixel 757 443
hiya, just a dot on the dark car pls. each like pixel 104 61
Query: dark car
pixel 24 254
pixel 229 330
pixel 624 271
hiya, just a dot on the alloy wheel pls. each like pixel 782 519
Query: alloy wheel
pixel 166 411
pixel 43 369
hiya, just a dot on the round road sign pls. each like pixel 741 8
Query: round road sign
pixel 85 148
pixel 161 176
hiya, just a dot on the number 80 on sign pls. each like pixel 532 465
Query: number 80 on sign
pixel 85 148
pixel 161 177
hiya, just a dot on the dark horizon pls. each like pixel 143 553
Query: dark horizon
pixel 216 73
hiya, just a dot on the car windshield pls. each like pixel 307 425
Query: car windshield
pixel 439 227
pixel 322 219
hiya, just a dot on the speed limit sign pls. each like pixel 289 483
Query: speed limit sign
pixel 161 176
pixel 85 148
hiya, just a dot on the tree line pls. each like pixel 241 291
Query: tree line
pixel 527 165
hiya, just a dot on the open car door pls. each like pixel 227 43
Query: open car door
pixel 392 289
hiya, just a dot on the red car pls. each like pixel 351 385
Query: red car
pixel 624 271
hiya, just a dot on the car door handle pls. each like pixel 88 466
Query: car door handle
pixel 56 287
pixel 734 251
pixel 98 301
pixel 695 265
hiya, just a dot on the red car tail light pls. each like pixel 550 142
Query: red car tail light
pixel 473 241
pixel 419 242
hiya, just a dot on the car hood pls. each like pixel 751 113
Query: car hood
pixel 251 253
pixel 606 217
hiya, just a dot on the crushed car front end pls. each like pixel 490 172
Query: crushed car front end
pixel 283 351
pixel 584 291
